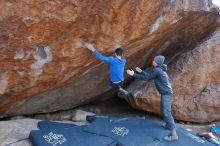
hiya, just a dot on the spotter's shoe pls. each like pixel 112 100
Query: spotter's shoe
pixel 171 138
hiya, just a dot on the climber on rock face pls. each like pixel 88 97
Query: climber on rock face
pixel 116 65
pixel 163 85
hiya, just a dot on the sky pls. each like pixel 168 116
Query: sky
pixel 217 2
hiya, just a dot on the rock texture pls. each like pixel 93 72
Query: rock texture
pixel 43 68
pixel 195 81
pixel 16 132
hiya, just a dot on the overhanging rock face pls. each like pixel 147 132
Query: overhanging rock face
pixel 196 84
pixel 42 68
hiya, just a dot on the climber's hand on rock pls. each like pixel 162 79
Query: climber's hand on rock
pixel 89 46
pixel 138 69
pixel 130 72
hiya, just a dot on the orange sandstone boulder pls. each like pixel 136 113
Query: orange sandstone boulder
pixel 43 68
pixel 195 81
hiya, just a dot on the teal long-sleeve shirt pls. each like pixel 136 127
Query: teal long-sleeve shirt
pixel 116 66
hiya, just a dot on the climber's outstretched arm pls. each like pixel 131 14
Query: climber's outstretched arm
pixel 97 54
pixel 141 75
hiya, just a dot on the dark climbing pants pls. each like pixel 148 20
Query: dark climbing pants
pixel 165 107
pixel 115 85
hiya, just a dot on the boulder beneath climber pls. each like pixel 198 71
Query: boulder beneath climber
pixel 42 67
pixel 195 81
pixel 16 132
